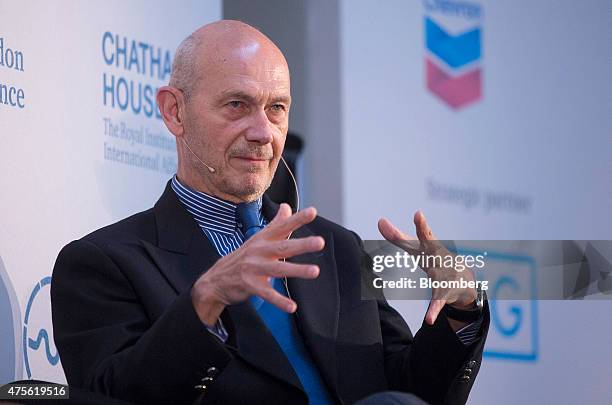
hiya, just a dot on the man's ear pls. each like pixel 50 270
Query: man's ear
pixel 171 104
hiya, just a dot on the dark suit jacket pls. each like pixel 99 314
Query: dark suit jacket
pixel 125 326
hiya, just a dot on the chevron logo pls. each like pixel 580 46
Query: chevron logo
pixel 454 91
pixel 452 67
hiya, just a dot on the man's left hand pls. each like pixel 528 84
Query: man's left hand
pixel 427 243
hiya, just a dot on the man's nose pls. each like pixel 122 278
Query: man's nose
pixel 261 129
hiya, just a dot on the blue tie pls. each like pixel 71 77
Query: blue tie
pixel 280 323
pixel 247 215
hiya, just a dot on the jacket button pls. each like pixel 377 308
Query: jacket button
pixel 471 363
pixel 467 371
pixel 200 387
pixel 212 371
pixel 465 378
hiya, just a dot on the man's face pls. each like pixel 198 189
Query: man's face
pixel 236 121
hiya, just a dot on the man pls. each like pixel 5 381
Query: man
pixel 193 300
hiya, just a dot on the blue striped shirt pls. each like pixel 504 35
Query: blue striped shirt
pixel 216 217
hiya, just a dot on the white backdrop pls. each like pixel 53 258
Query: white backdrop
pixel 65 170
pixel 528 159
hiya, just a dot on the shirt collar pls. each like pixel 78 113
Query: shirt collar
pixel 210 212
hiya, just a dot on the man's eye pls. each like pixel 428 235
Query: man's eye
pixel 278 107
pixel 235 104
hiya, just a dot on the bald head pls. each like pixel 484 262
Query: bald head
pixel 210 48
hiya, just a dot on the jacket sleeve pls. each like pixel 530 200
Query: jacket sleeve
pixel 108 344
pixel 433 364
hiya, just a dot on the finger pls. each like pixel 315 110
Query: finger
pixel 422 228
pixel 285 225
pixel 400 239
pixel 279 269
pixel 269 294
pixel 293 247
pixel 391 232
pixel 284 212
pixel 435 306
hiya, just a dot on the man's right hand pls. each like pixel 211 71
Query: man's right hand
pixel 247 270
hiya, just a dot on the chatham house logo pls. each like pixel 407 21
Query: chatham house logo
pixel 453 56
pixel 40 355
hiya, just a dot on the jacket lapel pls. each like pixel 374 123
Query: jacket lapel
pixel 256 345
pixel 182 254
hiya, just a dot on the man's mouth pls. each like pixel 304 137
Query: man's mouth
pixel 252 158
pixel 252 161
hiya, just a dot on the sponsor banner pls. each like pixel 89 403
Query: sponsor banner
pixel 492 118
pixel 83 143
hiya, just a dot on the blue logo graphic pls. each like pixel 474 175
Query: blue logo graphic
pixel 457 50
pixel 453 71
pixel 517 314
pixel 42 338
pixel 10 352
pixel 513 334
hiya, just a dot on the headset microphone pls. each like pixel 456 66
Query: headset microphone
pixel 295 186
pixel 297 208
pixel 210 169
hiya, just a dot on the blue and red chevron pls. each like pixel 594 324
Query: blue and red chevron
pixel 446 61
